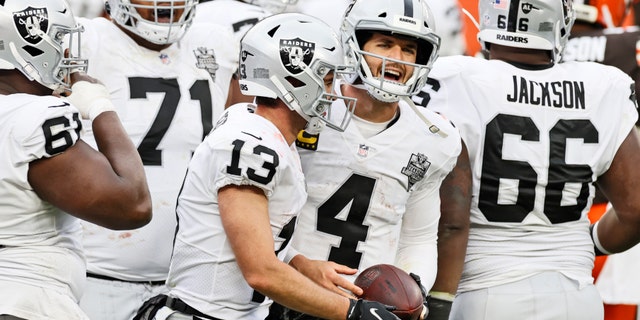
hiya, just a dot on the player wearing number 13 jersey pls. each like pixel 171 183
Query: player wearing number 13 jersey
pixel 539 135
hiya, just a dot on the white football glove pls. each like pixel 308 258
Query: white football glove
pixel 91 99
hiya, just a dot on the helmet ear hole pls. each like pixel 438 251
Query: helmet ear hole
pixel 32 51
pixel 294 82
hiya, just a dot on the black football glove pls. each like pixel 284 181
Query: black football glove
pixel 369 310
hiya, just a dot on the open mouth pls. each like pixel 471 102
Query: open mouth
pixel 163 15
pixel 392 75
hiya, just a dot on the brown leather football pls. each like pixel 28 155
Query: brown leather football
pixel 392 286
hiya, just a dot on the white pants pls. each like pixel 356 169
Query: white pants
pixel 23 301
pixel 116 300
pixel 546 296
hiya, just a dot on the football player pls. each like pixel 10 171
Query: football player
pixel 168 80
pixel 47 169
pixel 245 187
pixel 540 135
pixel 374 188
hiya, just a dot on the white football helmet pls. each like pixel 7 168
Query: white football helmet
pixel 34 35
pixel 532 24
pixel 164 28
pixel 287 56
pixel 273 6
pixel 409 18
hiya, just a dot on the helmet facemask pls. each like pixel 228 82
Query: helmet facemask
pixel 409 20
pixel 170 18
pixel 387 90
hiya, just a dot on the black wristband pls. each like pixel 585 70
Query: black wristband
pixel 438 309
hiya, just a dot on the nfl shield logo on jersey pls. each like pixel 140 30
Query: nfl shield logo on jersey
pixel 31 23
pixel 416 169
pixel 206 60
pixel 296 52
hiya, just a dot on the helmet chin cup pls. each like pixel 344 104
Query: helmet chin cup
pixel 127 15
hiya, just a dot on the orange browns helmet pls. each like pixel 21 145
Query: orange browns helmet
pixel 606 13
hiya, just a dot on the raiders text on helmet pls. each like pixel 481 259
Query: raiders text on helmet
pixel 533 24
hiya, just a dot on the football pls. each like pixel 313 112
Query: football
pixel 392 286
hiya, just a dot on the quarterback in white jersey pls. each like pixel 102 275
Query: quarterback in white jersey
pixel 380 202
pixel 374 189
pixel 167 100
pixel 539 135
pixel 244 149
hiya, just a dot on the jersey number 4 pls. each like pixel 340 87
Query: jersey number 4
pixel 356 194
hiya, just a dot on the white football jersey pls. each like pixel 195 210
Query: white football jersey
pixel 243 149
pixel 537 140
pixel 238 16
pixel 376 200
pixel 167 102
pixel 42 243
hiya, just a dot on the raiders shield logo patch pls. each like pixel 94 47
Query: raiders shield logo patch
pixel 32 23
pixel 296 53
pixel 416 169
pixel 206 60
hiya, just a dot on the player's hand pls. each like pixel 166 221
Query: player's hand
pixel 89 96
pixel 425 309
pixel 369 310
pixel 328 275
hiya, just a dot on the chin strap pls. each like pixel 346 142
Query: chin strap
pixel 432 127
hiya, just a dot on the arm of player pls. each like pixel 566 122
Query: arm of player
pixel 327 274
pixel 107 187
pixel 245 218
pixel 453 234
pixel 619 229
